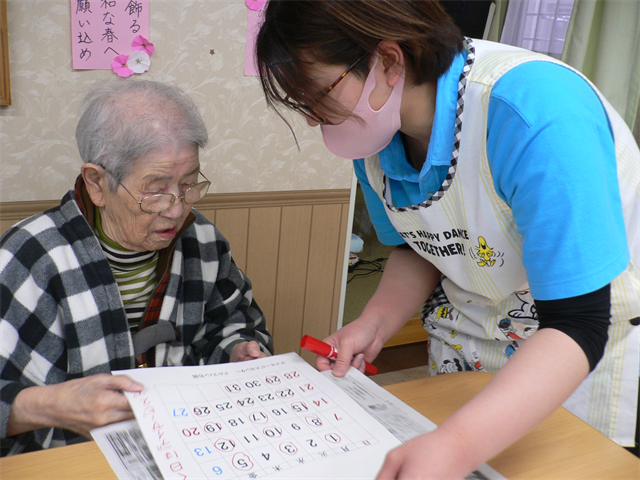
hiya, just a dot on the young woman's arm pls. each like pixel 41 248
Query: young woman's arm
pixel 536 380
pixel 406 283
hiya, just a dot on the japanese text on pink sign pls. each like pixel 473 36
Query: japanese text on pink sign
pixel 103 29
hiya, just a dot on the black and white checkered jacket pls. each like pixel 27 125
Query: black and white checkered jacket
pixel 62 317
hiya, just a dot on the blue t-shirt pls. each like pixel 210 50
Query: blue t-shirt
pixel 551 152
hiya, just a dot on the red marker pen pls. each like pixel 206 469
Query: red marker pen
pixel 324 349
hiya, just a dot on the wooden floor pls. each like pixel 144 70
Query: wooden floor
pixel 402 357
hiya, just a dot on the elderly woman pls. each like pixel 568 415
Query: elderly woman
pixel 123 273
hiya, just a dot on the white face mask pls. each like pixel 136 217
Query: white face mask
pixel 354 139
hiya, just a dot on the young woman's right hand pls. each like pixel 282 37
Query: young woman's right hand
pixel 356 342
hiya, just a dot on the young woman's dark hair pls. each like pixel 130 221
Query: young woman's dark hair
pixel 297 33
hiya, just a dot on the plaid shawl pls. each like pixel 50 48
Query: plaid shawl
pixel 61 315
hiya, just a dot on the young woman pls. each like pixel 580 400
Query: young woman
pixel 508 184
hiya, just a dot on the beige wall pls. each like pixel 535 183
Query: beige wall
pixel 250 150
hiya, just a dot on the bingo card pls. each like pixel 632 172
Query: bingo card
pixel 275 417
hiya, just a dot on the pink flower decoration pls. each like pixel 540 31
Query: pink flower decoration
pixel 141 43
pixel 138 61
pixel 119 66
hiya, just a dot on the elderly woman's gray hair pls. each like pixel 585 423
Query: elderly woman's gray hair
pixel 125 120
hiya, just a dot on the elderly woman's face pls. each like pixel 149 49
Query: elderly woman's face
pixel 167 172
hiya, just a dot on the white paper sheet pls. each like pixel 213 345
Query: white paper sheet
pixel 127 451
pixel 396 416
pixel 275 417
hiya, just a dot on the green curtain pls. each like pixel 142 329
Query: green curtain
pixel 603 42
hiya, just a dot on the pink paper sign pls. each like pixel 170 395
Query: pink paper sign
pixel 255 4
pixel 255 18
pixel 103 29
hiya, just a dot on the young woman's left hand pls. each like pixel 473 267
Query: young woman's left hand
pixel 424 457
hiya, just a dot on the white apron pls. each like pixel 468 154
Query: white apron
pixel 483 309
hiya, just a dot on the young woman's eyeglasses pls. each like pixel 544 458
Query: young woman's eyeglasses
pixel 163 201
pixel 308 111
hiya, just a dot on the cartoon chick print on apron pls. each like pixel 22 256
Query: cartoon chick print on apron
pixel 482 310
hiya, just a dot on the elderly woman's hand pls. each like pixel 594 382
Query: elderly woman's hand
pixel 246 351
pixel 79 405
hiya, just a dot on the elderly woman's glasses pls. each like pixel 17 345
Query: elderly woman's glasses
pixel 308 111
pixel 163 201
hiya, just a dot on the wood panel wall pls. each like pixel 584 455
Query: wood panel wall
pixel 290 244
pixel 5 75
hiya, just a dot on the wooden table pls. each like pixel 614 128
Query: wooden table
pixel 562 447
